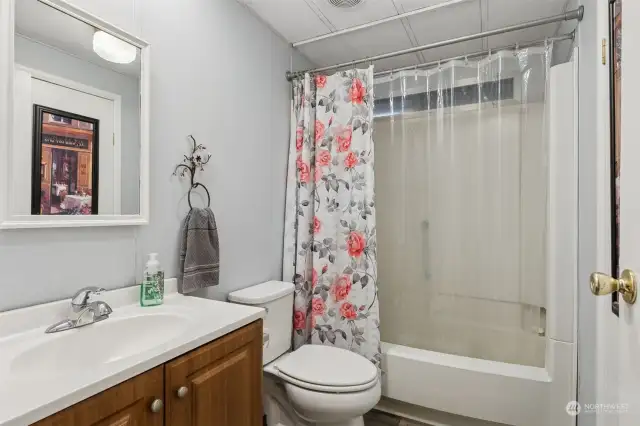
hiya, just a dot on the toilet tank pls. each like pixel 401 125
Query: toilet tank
pixel 277 298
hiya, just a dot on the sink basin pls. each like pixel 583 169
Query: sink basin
pixel 97 344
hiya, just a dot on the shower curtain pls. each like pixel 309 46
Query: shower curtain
pixel 330 229
pixel 462 196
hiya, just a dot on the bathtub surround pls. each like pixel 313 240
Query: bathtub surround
pixel 187 76
pixel 330 228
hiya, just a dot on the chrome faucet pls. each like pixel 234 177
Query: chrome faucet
pixel 82 312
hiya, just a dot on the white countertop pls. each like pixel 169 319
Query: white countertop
pixel 28 395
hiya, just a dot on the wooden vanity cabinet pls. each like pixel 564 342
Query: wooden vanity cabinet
pixel 218 384
pixel 223 382
pixel 127 404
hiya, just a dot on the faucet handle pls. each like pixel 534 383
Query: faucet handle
pixel 104 310
pixel 82 296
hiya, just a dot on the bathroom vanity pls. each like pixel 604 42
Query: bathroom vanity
pixel 217 384
pixel 190 361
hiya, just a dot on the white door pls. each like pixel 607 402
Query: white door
pixel 32 88
pixel 622 407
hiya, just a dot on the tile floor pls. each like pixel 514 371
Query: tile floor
pixel 378 418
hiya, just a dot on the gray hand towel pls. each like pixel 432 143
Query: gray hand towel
pixel 199 251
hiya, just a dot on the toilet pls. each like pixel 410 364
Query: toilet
pixel 316 384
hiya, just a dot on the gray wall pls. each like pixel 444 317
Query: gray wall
pixel 217 73
pixel 53 61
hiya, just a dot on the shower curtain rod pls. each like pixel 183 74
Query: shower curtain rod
pixel 569 36
pixel 567 16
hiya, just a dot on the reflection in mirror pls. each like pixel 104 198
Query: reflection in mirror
pixel 76 144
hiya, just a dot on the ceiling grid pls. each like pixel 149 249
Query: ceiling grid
pixel 313 6
pixel 299 20
pixel 410 33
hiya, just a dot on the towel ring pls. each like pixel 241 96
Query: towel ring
pixel 195 185
pixel 192 163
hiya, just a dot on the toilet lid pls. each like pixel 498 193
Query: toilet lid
pixel 328 366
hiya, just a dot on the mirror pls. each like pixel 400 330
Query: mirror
pixel 75 151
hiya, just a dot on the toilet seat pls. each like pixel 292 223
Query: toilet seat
pixel 327 369
pixel 327 389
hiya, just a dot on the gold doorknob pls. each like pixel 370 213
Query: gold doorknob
pixel 602 284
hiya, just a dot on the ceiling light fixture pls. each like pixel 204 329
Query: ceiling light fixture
pixel 113 49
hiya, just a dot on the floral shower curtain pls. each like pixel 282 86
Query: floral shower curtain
pixel 330 233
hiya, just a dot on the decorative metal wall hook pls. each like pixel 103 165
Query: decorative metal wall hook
pixel 191 164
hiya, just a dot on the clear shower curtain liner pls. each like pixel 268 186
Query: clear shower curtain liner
pixel 462 198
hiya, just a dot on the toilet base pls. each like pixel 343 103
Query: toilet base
pixel 279 422
pixel 279 412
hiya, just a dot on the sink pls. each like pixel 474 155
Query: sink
pixel 97 344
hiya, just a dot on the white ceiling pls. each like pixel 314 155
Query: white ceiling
pixel 297 20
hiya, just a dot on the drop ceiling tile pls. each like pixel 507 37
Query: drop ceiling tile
pixel 384 38
pixel 326 52
pixel 293 19
pixel 453 21
pixel 367 11
pixel 446 23
pixel 508 12
pixel 409 5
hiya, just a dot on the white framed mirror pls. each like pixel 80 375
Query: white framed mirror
pixel 74 119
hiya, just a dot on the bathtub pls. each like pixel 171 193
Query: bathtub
pixel 493 391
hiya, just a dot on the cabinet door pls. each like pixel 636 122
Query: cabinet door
pixel 127 404
pixel 219 384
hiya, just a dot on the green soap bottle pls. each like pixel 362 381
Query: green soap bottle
pixel 152 287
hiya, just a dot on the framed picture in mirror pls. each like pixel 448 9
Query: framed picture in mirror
pixel 65 163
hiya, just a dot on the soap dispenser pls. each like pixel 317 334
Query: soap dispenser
pixel 152 288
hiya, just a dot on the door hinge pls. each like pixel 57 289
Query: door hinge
pixel 604 51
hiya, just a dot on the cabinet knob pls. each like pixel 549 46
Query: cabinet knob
pixel 156 406
pixel 182 391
